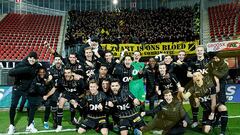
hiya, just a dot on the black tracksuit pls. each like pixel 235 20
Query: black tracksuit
pixel 24 73
pixel 124 74
pixel 81 53
pixel 180 71
pixel 95 118
pixel 110 66
pixel 169 82
pixel 150 75
pixel 220 70
pixel 51 103
pixel 37 90
pixel 125 110
pixel 70 90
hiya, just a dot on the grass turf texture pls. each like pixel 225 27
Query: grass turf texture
pixel 21 122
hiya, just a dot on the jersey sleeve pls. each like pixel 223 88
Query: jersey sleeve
pixel 33 89
pixel 174 78
pixel 181 110
pixel 117 71
pixel 131 96
pixel 83 102
pixel 191 90
pixel 59 84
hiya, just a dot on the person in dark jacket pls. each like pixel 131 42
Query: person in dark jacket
pixel 77 70
pixel 204 94
pixel 56 72
pixel 166 80
pixel 123 105
pixel 72 89
pixel 93 42
pixel 101 75
pixel 180 68
pixel 39 87
pixel 150 77
pixel 91 65
pixel 24 73
pixel 94 103
pixel 124 72
pixel 110 62
pixel 170 116
pixel 218 70
pixel 197 63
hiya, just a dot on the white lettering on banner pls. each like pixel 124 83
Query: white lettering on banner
pixel 216 46
pixel 226 45
pixel 230 92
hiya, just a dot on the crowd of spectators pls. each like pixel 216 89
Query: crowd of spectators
pixel 133 26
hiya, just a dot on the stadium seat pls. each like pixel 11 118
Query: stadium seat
pixel 222 20
pixel 22 30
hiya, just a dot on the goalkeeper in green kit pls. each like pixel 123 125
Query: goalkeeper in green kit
pixel 136 85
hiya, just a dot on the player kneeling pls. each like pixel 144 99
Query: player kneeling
pixel 170 118
pixel 123 103
pixel 96 112
pixel 204 93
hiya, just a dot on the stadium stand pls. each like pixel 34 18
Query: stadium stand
pixel 138 26
pixel 224 21
pixel 22 33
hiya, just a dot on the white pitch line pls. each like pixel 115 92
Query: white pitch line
pixel 231 117
pixel 42 131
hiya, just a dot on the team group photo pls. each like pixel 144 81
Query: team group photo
pixel 127 67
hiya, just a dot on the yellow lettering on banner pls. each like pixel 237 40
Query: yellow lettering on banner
pixel 148 50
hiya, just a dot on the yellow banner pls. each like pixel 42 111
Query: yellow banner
pixel 149 50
